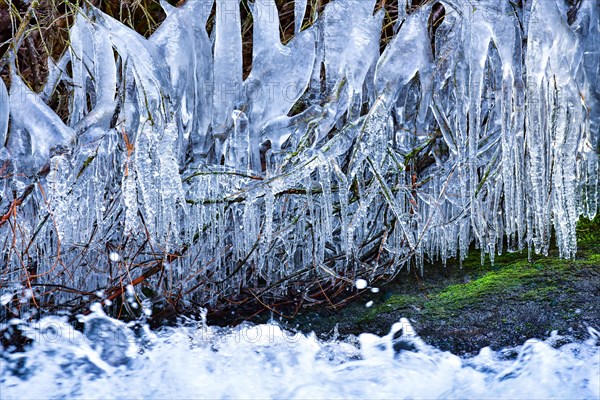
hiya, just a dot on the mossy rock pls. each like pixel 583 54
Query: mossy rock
pixel 463 308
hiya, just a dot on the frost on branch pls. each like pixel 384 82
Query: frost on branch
pixel 478 123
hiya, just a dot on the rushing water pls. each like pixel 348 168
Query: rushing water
pixel 113 360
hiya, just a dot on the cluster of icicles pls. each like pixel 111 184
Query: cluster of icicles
pixel 330 160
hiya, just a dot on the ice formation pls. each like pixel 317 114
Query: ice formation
pixel 331 160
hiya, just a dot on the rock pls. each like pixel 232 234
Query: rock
pixel 110 338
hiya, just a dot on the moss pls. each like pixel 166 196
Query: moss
pixel 546 293
pixel 463 307
pixel 494 282
pixel 592 259
pixel 512 278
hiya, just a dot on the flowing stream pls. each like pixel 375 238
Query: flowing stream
pixel 113 360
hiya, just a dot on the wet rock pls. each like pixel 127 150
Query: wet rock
pixel 110 338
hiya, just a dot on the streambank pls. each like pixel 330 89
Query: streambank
pixel 464 308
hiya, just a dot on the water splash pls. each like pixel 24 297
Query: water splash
pixel 113 360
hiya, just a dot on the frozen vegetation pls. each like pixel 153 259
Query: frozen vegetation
pixel 331 160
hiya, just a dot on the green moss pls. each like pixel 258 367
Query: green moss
pixel 501 281
pixel 462 307
pixel 513 278
pixel 588 237
pixel 591 259
pixel 516 280
pixel 541 293
pixel 400 301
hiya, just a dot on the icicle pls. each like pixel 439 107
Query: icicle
pixel 553 125
pixel 343 196
pixel 148 174
pixel 267 234
pixel 266 28
pixel 250 225
pixel 171 189
pixel 299 11
pixel 588 27
pixel 58 184
pixel 56 72
pixel 174 40
pixel 279 76
pixel 239 143
pixel 81 66
pixel 102 61
pixel 129 187
pixel 142 58
pixel 360 213
pixel 36 129
pixel 327 210
pixel 278 130
pixel 227 70
pixel 411 42
pixel 351 41
pixel 4 112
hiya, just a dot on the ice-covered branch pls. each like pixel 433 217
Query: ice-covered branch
pixel 478 124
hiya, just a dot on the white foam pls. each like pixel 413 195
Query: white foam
pixel 265 361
